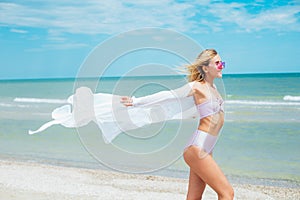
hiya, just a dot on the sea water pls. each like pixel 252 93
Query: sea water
pixel 260 138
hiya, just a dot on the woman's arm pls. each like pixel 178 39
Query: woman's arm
pixel 181 92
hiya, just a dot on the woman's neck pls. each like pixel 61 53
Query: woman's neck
pixel 209 81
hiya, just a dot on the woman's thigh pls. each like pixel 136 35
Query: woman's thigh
pixel 196 186
pixel 207 169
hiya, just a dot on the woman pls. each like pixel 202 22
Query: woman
pixel 198 152
pixel 84 107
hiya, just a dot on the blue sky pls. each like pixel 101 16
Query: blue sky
pixel 48 39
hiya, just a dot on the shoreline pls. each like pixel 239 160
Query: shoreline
pixel 28 180
pixel 167 172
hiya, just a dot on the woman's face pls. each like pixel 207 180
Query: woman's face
pixel 215 67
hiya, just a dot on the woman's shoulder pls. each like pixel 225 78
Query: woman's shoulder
pixel 198 89
pixel 199 86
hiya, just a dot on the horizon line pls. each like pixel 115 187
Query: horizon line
pixel 163 75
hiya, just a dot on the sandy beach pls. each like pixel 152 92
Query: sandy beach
pixel 23 180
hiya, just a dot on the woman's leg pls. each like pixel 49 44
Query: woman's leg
pixel 196 186
pixel 208 171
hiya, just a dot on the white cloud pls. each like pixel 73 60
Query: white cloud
pixel 94 17
pixel 110 17
pixel 282 18
pixel 14 30
pixel 65 46
pixel 56 46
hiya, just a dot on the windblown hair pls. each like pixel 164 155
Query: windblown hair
pixel 195 70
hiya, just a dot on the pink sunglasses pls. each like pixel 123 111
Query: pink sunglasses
pixel 220 65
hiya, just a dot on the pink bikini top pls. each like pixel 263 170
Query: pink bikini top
pixel 210 107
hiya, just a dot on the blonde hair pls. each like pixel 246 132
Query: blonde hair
pixel 195 70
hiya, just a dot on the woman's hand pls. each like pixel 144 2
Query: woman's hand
pixel 126 101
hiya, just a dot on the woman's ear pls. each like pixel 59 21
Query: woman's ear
pixel 205 69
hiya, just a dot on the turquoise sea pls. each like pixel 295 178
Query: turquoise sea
pixel 260 141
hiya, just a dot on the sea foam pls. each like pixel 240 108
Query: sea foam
pixel 38 100
pixel 262 103
pixel 291 98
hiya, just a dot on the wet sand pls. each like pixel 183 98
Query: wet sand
pixel 35 181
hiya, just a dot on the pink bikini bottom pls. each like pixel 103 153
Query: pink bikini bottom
pixel 203 140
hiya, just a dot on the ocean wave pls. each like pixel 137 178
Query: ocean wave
pixel 288 101
pixel 38 100
pixel 262 103
pixel 291 98
pixel 7 105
